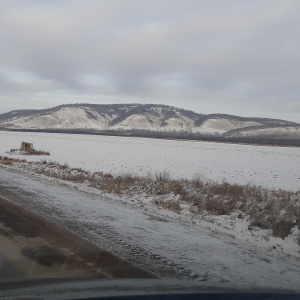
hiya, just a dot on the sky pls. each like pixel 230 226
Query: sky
pixel 237 57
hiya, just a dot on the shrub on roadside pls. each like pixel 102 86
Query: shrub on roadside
pixel 282 228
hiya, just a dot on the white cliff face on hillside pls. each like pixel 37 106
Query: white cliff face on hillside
pixel 81 117
pixel 64 118
pixel 144 117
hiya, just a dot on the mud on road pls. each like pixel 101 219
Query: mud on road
pixel 32 247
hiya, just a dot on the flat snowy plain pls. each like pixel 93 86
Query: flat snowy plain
pixel 272 167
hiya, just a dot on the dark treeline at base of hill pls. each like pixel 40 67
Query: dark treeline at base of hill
pixel 183 135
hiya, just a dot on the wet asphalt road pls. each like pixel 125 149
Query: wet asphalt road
pixel 32 247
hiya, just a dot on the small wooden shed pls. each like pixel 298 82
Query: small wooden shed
pixel 26 147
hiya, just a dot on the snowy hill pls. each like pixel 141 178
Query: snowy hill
pixel 266 131
pixel 144 117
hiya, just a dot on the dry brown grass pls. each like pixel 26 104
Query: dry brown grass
pixel 169 205
pixel 282 228
pixel 61 167
pixel 268 209
pixel 29 152
pixel 9 161
pixel 36 152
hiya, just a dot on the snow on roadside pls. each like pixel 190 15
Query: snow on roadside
pixel 236 225
pixel 211 249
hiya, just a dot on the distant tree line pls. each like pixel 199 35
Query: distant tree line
pixel 182 135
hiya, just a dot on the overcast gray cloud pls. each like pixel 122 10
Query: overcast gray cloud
pixel 234 56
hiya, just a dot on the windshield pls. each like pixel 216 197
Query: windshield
pixel 150 141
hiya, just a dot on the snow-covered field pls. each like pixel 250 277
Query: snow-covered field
pixel 273 167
